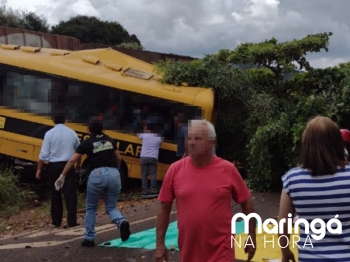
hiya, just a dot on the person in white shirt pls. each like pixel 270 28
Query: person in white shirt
pixel 58 146
pixel 151 142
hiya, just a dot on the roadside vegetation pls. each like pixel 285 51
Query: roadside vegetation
pixel 13 196
pixel 267 92
pixel 26 206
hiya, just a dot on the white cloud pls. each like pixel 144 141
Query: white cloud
pixel 31 5
pixel 199 27
pixel 84 7
pixel 262 9
pixel 216 19
pixel 323 62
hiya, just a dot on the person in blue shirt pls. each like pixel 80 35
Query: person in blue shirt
pixel 58 147
pixel 181 122
pixel 181 134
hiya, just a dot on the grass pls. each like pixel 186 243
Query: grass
pixel 14 196
pixel 19 207
pixel 23 209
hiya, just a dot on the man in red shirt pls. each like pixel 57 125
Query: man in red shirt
pixel 203 186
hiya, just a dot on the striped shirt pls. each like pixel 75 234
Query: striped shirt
pixel 321 197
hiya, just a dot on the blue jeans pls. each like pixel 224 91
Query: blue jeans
pixel 103 180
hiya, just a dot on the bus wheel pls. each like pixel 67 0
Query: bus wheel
pixel 124 175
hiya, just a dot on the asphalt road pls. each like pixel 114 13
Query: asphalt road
pixel 62 245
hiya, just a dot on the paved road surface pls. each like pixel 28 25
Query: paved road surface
pixel 63 245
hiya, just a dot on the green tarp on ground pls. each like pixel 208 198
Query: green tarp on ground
pixel 147 239
pixel 267 243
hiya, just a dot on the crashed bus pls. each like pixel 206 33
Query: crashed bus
pixel 36 81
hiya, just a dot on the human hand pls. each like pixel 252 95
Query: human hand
pixel 250 247
pixel 287 255
pixel 38 174
pixel 60 182
pixel 161 253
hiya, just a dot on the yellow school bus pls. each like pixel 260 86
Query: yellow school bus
pixel 103 82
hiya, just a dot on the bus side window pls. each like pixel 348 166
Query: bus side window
pixel 2 87
pixel 84 100
pixel 27 93
pixel 74 103
pixel 57 95
pixel 190 112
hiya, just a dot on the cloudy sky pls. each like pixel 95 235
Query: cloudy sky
pixel 199 27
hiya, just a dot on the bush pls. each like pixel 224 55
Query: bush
pixel 275 146
pixel 231 87
pixel 265 101
pixel 13 195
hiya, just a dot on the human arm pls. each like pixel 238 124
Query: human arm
pixel 286 207
pixel 119 158
pixel 81 149
pixel 242 196
pixel 247 208
pixel 74 159
pixel 38 170
pixel 76 145
pixel 250 248
pixel 166 197
pixel 346 153
pixel 162 223
pixel 40 165
pixel 185 144
pixel 60 181
pixel 117 154
pixel 78 163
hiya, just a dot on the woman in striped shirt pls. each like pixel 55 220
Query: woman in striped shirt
pixel 318 189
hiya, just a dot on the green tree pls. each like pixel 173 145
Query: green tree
pixel 280 58
pixel 90 29
pixel 232 87
pixel 131 45
pixel 23 20
pixel 31 21
pixel 264 104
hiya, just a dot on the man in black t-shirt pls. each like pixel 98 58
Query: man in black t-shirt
pixel 104 161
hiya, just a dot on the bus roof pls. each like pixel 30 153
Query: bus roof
pixel 105 66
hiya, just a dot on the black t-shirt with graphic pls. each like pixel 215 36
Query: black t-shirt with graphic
pixel 100 151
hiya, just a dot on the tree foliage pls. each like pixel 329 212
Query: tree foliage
pixel 90 29
pixel 87 29
pixel 131 45
pixel 280 58
pixel 24 20
pixel 265 100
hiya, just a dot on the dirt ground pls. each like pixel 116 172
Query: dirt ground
pixel 37 214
